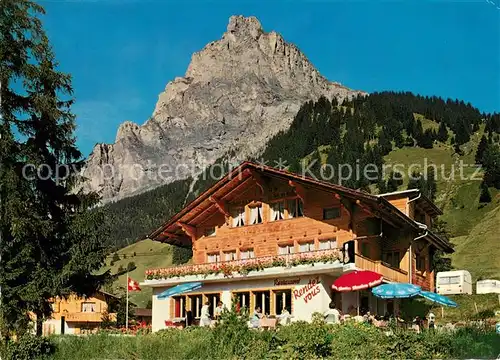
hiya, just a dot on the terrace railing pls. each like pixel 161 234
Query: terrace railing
pixel 244 266
pixel 389 273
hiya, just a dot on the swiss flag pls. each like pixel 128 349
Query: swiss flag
pixel 133 285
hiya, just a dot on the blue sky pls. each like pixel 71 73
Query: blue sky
pixel 122 53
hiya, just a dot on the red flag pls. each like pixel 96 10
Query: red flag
pixel 133 285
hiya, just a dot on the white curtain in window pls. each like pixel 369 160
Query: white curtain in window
pixel 259 209
pixel 278 210
pixel 254 215
pixel 236 217
pixel 306 247
pixel 292 208
pixel 286 249
pixel 274 211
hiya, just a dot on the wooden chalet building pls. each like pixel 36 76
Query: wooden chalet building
pixel 273 239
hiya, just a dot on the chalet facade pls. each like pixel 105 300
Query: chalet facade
pixel 78 315
pixel 274 239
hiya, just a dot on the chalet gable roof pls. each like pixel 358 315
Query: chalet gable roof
pixel 213 199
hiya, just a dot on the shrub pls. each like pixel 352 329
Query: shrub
pixel 29 348
pixel 232 339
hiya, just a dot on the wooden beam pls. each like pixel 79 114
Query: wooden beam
pixel 258 180
pixel 364 208
pixel 188 229
pixel 219 205
pixel 299 190
pixel 236 188
pixel 343 204
pixel 170 235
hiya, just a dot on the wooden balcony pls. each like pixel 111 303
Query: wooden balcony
pixel 86 316
pixel 244 266
pixel 389 273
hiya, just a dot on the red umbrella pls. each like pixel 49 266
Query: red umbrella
pixel 357 280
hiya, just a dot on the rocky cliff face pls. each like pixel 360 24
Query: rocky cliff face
pixel 237 93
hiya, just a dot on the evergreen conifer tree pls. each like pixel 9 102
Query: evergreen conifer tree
pixel 481 148
pixel 485 196
pixel 442 132
pixel 51 236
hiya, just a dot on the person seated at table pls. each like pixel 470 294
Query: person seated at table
pixel 284 317
pixel 387 316
pixel 218 310
pixel 368 318
pixel 257 315
pixel 332 315
pixel 205 315
pixel 431 319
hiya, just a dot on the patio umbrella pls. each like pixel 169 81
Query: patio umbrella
pixel 179 289
pixel 357 280
pixel 396 291
pixel 437 298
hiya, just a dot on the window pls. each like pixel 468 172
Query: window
pixel 328 244
pixel 196 304
pixel 449 280
pixel 277 210
pixel 243 300
pixel 331 213
pixel 214 257
pixel 393 258
pixel 282 299
pixel 420 263
pixel 286 249
pixel 213 299
pixel 238 215
pixel 210 231
pixel 247 254
pixel 88 307
pixel 262 299
pixel 305 247
pixel 295 208
pixel 365 249
pixel 229 255
pixel 256 215
pixel 179 306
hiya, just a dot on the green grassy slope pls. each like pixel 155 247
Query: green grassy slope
pixel 470 307
pixel 473 227
pixel 479 252
pixel 148 255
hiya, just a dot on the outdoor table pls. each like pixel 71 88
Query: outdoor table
pixel 267 323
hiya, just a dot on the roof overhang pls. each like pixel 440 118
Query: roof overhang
pixel 179 230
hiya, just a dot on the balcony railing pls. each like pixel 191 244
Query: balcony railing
pixel 389 273
pixel 247 265
pixel 87 316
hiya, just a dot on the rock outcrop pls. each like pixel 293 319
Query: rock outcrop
pixel 237 93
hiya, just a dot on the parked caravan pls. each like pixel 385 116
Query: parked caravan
pixel 488 287
pixel 454 282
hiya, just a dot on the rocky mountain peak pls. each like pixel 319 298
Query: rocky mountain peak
pixel 237 92
pixel 241 26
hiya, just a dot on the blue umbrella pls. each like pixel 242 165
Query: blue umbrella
pixel 396 291
pixel 179 289
pixel 437 298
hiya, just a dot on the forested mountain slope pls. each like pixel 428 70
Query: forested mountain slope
pixel 384 129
